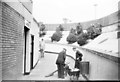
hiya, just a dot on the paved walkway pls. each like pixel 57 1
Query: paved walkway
pixel 46 66
pixel 56 47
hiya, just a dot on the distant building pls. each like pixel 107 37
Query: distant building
pixel 104 21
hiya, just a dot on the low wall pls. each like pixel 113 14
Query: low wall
pixel 102 66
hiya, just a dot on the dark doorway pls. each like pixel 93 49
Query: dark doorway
pixel 32 51
pixel 26 30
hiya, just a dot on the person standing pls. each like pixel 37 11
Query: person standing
pixel 78 58
pixel 61 63
pixel 42 47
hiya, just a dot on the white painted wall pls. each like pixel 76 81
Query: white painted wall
pixel 101 68
pixel 35 31
pixel 28 53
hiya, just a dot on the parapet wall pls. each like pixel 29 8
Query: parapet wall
pixel 105 21
pixel 102 66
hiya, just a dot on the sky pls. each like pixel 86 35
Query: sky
pixel 53 11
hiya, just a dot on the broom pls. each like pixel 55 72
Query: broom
pixel 51 74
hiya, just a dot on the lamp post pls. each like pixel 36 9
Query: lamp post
pixel 95 5
pixel 65 20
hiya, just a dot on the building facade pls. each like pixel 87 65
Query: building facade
pixel 0 41
pixel 34 31
pixel 17 39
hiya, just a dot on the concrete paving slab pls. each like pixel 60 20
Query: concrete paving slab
pixel 44 67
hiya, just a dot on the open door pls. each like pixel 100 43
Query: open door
pixel 32 52
pixel 26 30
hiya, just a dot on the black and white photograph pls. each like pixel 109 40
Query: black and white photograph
pixel 59 40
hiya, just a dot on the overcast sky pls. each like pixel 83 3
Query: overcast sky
pixel 53 11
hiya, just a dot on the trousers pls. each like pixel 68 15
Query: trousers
pixel 60 70
pixel 77 64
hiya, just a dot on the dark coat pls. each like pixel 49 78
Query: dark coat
pixel 61 58
pixel 78 59
pixel 79 55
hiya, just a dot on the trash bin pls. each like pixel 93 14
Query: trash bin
pixel 84 67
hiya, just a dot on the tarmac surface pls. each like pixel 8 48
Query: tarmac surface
pixel 46 66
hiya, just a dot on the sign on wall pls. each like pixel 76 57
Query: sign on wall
pixel 27 24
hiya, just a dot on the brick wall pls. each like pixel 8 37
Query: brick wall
pixel 12 43
pixel 0 41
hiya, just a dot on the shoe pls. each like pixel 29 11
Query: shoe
pixel 62 77
pixel 59 77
